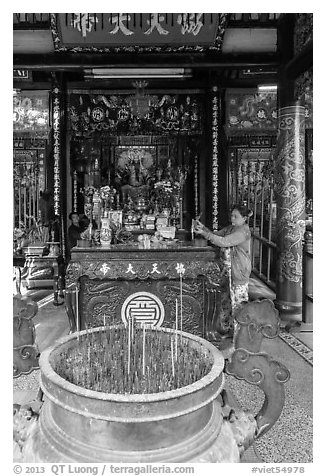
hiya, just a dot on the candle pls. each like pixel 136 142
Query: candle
pixel 181 212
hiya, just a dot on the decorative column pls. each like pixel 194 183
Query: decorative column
pixel 215 155
pixel 290 199
pixel 196 188
pixel 56 149
pixel 58 142
pixel 75 184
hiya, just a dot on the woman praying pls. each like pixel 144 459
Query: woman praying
pixel 237 237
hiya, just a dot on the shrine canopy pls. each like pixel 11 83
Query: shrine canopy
pixel 121 29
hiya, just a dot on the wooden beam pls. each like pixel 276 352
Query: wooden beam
pixel 301 62
pixel 252 23
pixel 31 85
pixel 79 61
pixel 285 46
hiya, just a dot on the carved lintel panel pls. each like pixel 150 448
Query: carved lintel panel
pixel 140 269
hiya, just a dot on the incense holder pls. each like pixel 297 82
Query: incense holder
pixel 193 422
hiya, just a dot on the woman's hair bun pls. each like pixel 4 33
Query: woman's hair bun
pixel 243 209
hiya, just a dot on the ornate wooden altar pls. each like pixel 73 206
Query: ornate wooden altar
pixel 125 281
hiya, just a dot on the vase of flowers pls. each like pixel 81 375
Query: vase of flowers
pixel 165 195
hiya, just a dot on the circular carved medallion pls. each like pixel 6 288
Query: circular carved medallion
pixel 98 114
pixel 144 307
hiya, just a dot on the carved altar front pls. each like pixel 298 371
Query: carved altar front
pixel 124 282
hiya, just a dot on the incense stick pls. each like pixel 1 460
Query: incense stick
pixel 180 302
pixel 132 326
pixel 129 329
pixel 144 338
pixel 77 311
pixel 172 357
pixel 176 328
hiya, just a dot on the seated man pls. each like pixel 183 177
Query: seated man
pixel 74 230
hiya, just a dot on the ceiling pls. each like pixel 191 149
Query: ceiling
pixel 248 56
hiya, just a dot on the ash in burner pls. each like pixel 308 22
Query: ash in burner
pixel 133 360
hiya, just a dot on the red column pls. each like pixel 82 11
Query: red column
pixel 290 198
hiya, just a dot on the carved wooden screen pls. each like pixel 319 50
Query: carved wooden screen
pixel 28 180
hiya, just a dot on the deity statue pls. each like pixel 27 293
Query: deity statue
pixel 135 166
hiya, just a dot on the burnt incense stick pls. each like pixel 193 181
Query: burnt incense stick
pixel 176 329
pixel 77 311
pixel 132 326
pixel 144 340
pixel 129 350
pixel 172 357
pixel 181 302
pixel 98 361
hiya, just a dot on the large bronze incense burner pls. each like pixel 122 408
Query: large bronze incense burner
pixel 140 394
